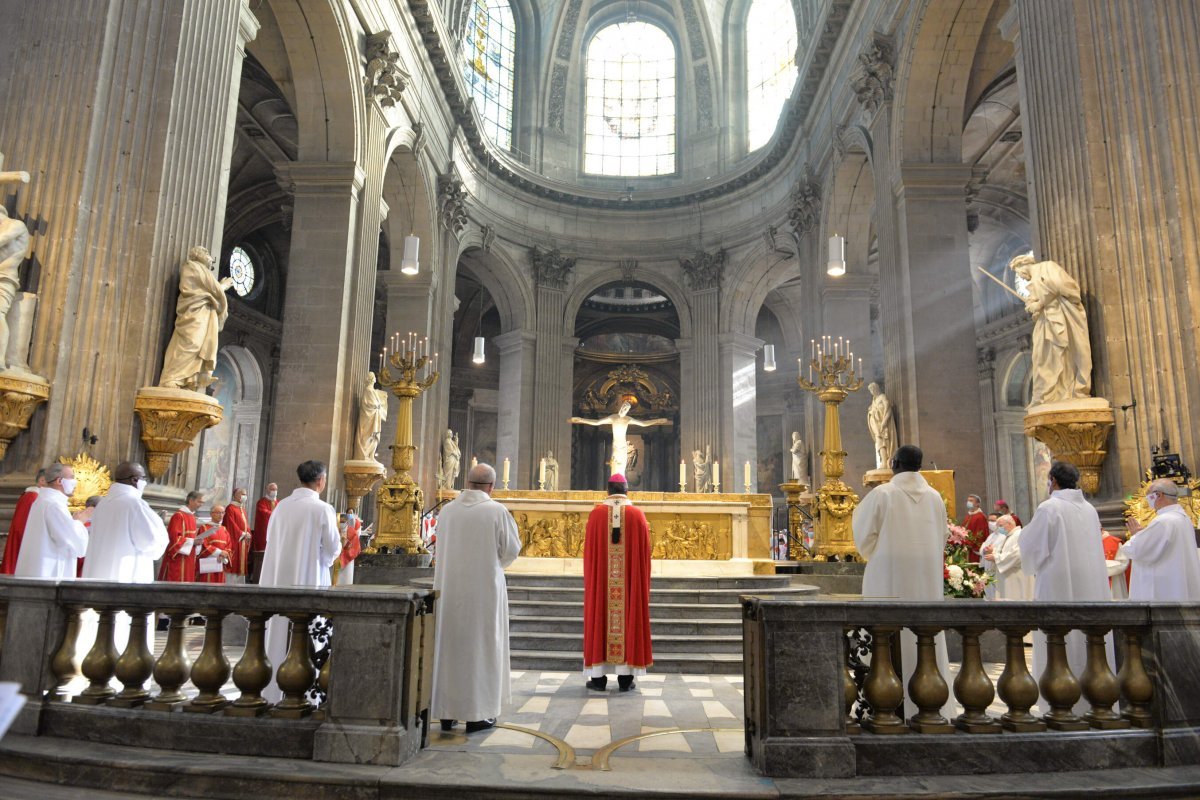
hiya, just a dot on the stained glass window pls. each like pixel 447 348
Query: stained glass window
pixel 770 66
pixel 241 269
pixel 488 49
pixel 629 114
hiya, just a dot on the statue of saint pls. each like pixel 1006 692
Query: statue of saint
pixel 799 459
pixel 702 469
pixel 451 456
pixel 14 244
pixel 620 422
pixel 882 424
pixel 372 411
pixel 200 313
pixel 1062 354
pixel 551 472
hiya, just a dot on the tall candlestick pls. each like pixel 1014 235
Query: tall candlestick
pixel 474 462
pixel 747 477
pixel 542 472
pixel 682 475
pixel 506 470
pixel 716 476
pixel 814 347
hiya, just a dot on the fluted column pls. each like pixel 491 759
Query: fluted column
pixel 739 424
pixel 551 385
pixel 1108 97
pixel 514 437
pixel 700 375
pixel 123 115
pixel 314 400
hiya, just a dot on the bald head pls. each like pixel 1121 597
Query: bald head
pixel 217 513
pixel 1007 523
pixel 1162 493
pixel 127 470
pixel 482 477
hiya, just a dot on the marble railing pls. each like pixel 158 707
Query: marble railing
pixel 824 696
pixel 374 678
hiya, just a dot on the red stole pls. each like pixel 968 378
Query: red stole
pixel 208 547
pixel 16 532
pixel 353 544
pixel 616 590
pixel 976 524
pixel 262 517
pixel 178 564
pixel 235 523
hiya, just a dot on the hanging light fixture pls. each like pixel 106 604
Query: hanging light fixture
pixel 409 264
pixel 480 354
pixel 837 256
pixel 769 358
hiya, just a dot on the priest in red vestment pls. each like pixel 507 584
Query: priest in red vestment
pixel 16 528
pixel 351 547
pixel 215 542
pixel 179 561
pixel 239 533
pixel 258 538
pixel 616 591
pixel 976 523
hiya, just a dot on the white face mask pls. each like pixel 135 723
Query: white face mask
pixel 272 495
pixel 141 486
pixel 68 485
pixel 992 527
pixel 970 506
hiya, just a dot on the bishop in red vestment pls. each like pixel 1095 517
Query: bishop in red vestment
pixel 16 528
pixel 262 517
pixel 216 543
pixel 616 591
pixel 239 533
pixel 976 523
pixel 179 561
pixel 351 548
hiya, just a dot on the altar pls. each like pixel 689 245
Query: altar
pixel 690 534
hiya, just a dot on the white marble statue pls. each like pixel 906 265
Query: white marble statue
pixel 620 422
pixel 14 245
pixel 702 469
pixel 551 472
pixel 882 424
pixel 372 411
pixel 200 314
pixel 451 457
pixel 799 459
pixel 1062 354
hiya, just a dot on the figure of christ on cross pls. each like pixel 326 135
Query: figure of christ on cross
pixel 620 422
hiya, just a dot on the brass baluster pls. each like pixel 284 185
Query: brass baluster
pixel 973 687
pixel 927 687
pixel 1136 686
pixel 849 689
pixel 135 665
pixel 883 688
pixel 62 663
pixel 1100 685
pixel 296 674
pixel 100 663
pixel 173 667
pixel 253 671
pixel 1059 685
pixel 211 668
pixel 1018 689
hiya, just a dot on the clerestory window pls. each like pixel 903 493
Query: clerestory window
pixel 629 113
pixel 770 66
pixel 489 44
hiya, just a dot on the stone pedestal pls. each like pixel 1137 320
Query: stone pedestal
pixel 20 394
pixel 360 477
pixel 171 420
pixel 875 477
pixel 1075 431
pixel 392 569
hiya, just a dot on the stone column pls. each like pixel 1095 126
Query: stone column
pixel 562 450
pixel 551 385
pixel 987 415
pixel 514 435
pixel 315 402
pixel 738 410
pixel 129 169
pixel 1108 97
pixel 409 308
pixel 699 372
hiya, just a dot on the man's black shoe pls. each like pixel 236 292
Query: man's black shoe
pixel 598 684
pixel 625 683
pixel 448 724
pixel 480 725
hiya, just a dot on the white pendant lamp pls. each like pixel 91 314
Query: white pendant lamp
pixel 409 264
pixel 769 358
pixel 480 356
pixel 837 257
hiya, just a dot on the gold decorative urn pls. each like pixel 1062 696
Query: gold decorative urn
pixel 171 420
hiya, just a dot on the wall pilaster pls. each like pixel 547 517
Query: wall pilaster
pixel 514 435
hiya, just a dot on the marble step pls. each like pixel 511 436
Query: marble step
pixel 575 593
pixel 574 609
pixel 663 627
pixel 661 644
pixel 686 663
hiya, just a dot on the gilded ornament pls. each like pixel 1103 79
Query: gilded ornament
pixel 91 479
pixel 171 421
pixel 20 395
pixel 1137 507
pixel 1075 431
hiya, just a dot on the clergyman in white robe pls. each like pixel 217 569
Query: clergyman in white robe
pixel 53 541
pixel 302 543
pixel 1165 567
pixel 900 528
pixel 477 539
pixel 1061 546
pixel 1012 581
pixel 994 541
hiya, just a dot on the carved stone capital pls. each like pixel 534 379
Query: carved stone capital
pixel 551 268
pixel 20 395
pixel 452 203
pixel 986 361
pixel 171 420
pixel 703 271
pixel 871 79
pixel 488 235
pixel 385 78
pixel 805 211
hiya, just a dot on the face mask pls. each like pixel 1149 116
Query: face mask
pixel 141 486
pixel 1152 498
pixel 992 527
pixel 970 506
pixel 271 495
pixel 68 485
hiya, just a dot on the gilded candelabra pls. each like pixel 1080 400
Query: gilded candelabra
pixel 831 377
pixel 408 370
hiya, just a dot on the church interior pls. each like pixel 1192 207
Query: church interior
pixel 737 250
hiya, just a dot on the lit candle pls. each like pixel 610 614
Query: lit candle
pixel 542 472
pixel 814 347
pixel 716 476
pixel 505 470
pixel 381 355
pixel 435 360
pixel 860 372
pixel 474 462
pixel 682 474
pixel 747 471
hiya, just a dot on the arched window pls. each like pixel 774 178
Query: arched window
pixel 629 114
pixel 489 42
pixel 770 66
pixel 243 272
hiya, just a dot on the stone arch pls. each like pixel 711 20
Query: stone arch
pixel 497 271
pixel 229 452
pixel 594 280
pixel 759 276
pixel 411 195
pixel 931 92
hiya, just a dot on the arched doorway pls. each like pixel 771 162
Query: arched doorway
pixel 229 451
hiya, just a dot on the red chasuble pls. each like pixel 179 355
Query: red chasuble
pixel 209 547
pixel 616 590
pixel 235 524
pixel 262 516
pixel 976 524
pixel 16 532
pixel 178 565
pixel 353 544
